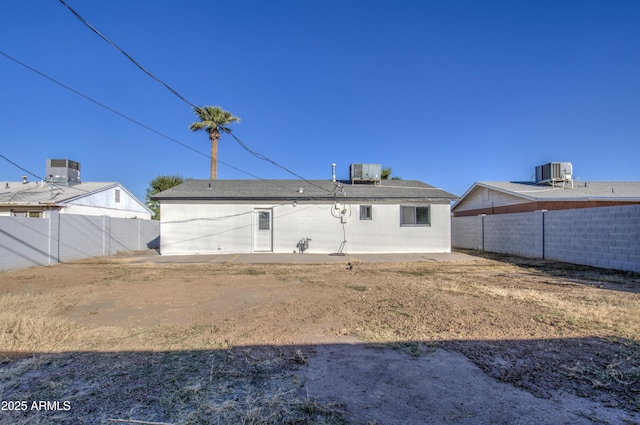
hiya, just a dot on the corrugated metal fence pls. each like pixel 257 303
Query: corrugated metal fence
pixel 607 237
pixel 26 242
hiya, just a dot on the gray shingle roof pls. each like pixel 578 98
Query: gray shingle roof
pixel 581 191
pixel 311 190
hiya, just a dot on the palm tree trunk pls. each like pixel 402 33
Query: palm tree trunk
pixel 214 135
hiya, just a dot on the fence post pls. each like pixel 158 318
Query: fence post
pixel 544 214
pixel 482 230
pixel 54 237
pixel 106 235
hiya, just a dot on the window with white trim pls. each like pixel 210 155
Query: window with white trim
pixel 117 195
pixel 415 216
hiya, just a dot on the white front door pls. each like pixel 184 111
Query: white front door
pixel 263 232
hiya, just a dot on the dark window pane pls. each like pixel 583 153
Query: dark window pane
pixel 263 220
pixel 365 212
pixel 422 215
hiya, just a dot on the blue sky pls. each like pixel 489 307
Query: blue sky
pixel 447 92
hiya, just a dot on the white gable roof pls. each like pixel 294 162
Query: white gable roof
pixel 581 191
pixel 13 194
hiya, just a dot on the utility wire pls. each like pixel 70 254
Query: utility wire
pixel 120 114
pixel 37 177
pixel 242 144
pixel 264 158
pixel 94 29
pixel 131 120
pixel 23 169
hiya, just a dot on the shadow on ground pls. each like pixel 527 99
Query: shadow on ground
pixel 617 280
pixel 577 381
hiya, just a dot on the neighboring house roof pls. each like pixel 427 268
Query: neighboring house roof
pixel 581 192
pixel 44 194
pixel 322 190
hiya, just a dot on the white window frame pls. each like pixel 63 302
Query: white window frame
pixel 409 218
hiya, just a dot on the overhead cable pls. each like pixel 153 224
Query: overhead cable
pixel 264 158
pixel 146 71
pixel 175 92
pixel 121 114
pixel 171 139
pixel 23 169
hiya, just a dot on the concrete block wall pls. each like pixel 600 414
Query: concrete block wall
pixel 467 232
pixel 607 237
pixel 82 236
pixel 518 234
pixel 26 242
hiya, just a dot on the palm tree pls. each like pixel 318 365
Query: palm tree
pixel 386 174
pixel 213 119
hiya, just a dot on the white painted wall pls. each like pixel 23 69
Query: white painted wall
pixel 111 212
pixel 482 197
pixel 104 203
pixel 26 242
pixel 198 227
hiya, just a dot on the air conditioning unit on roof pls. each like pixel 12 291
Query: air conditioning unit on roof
pixel 63 171
pixel 367 173
pixel 554 172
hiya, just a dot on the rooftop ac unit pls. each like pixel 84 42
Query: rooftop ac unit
pixel 366 172
pixel 554 172
pixel 63 171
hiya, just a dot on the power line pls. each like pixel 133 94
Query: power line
pixel 242 144
pixel 53 80
pixel 119 113
pixel 23 169
pixel 264 158
pixel 94 29
pixel 62 188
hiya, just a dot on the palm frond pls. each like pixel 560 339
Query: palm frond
pixel 195 126
pixel 213 117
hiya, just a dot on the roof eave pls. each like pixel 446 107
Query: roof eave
pixel 302 198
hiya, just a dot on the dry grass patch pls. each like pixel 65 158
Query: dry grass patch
pixel 169 342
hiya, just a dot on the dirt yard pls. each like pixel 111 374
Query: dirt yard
pixel 492 340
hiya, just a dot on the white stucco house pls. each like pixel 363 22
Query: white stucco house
pixel 553 189
pixel 514 197
pixel 37 199
pixel 314 216
pixel 63 192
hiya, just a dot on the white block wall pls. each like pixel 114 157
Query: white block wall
pixel 519 234
pixel 26 242
pixel 466 232
pixel 607 237
pixel 206 228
